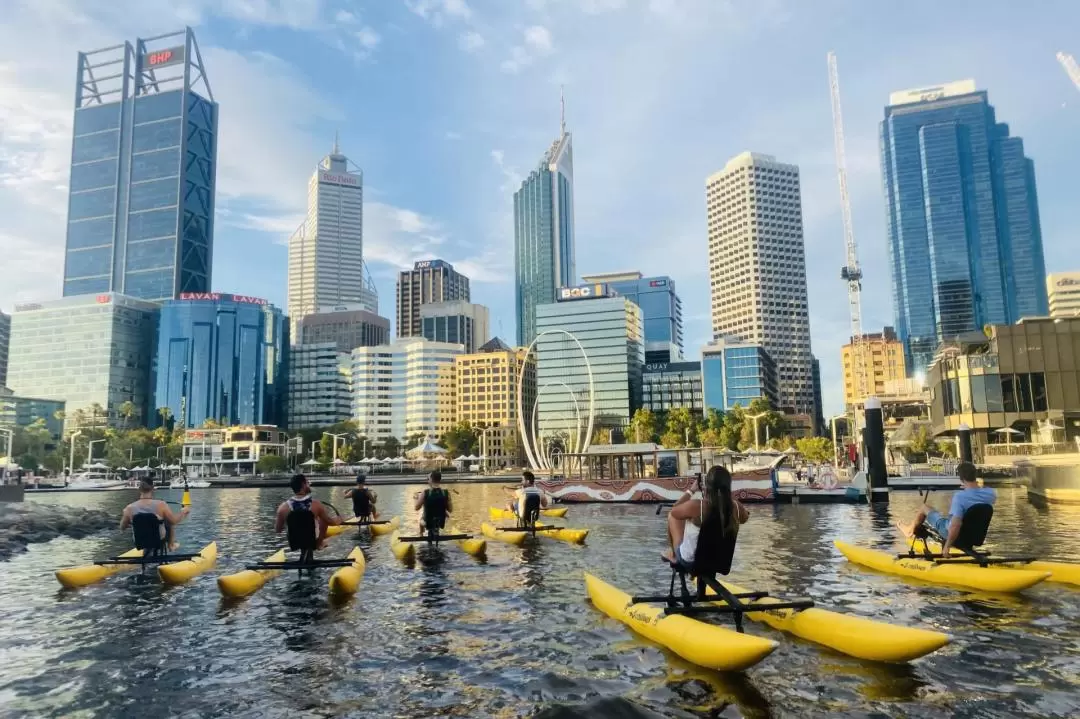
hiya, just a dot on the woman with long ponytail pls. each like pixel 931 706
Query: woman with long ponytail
pixel 716 512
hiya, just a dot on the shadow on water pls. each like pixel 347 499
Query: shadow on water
pixel 515 636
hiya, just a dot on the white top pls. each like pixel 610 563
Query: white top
pixel 690 533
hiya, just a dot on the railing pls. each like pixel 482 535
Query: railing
pixel 1029 449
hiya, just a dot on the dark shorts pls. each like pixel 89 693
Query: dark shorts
pixel 682 562
pixel 938 522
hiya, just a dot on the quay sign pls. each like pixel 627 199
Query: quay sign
pixel 582 292
pixel 339 179
pixel 164 58
pixel 217 297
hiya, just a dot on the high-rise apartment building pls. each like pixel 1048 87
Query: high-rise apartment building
pixel 326 253
pixel 90 352
pixel 487 390
pixel 661 311
pixel 456 321
pixel 611 333
pixel 320 385
pixel 962 217
pixel 398 390
pixel 428 281
pixel 143 168
pixel 882 357
pixel 734 372
pixel 346 327
pixel 1062 289
pixel 757 268
pixel 221 357
pixel 5 340
pixel 544 234
pixel 669 385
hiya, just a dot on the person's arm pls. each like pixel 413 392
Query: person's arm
pixel 545 500
pixel 449 502
pixel 125 518
pixel 741 512
pixel 677 519
pixel 319 510
pixel 418 501
pixel 349 493
pixel 954 531
pixel 686 496
pixel 279 519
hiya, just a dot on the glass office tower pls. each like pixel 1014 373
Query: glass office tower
pixel 661 311
pixel 222 357
pixel 736 373
pixel 143 167
pixel 544 235
pixel 963 220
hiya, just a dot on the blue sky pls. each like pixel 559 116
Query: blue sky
pixel 446 104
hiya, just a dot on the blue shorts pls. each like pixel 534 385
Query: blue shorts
pixel 938 522
pixel 682 562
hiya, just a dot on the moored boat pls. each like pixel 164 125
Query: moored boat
pixel 704 644
pixel 967 576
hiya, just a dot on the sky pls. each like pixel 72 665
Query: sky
pixel 447 104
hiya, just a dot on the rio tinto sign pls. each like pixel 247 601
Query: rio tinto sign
pixel 217 297
pixel 335 178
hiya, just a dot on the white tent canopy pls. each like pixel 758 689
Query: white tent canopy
pixel 96 465
pixel 310 463
pixel 339 461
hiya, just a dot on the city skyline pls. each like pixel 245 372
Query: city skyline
pixel 653 215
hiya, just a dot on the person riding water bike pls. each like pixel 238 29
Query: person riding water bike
pixel 146 504
pixel 363 500
pixel 302 501
pixel 714 506
pixel 435 503
pixel 948 526
pixel 527 496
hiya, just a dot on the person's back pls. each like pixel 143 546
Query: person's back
pixel 968 497
pixel 434 503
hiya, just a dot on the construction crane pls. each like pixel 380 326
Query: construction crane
pixel 1069 63
pixel 850 272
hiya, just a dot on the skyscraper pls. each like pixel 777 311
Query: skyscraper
pixel 1062 289
pixel 428 281
pixel 544 233
pixel 962 217
pixel 456 321
pixel 5 339
pixel 326 253
pixel 661 310
pixel 757 268
pixel 143 168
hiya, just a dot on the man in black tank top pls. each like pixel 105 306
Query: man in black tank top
pixel 434 502
pixel 303 501
pixel 363 499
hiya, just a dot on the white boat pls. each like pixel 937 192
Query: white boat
pixel 188 484
pixel 95 481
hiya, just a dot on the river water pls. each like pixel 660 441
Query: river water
pixel 456 637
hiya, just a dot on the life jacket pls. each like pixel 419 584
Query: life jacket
pixel 300 525
pixel 529 506
pixel 435 501
pixel 361 502
pixel 146 528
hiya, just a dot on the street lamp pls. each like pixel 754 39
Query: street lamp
pixel 71 461
pixel 832 423
pixel 336 438
pixel 756 417
pixel 10 446
pixel 90 449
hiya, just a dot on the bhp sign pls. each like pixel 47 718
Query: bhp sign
pixel 161 58
pixel 584 292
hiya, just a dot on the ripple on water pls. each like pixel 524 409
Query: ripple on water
pixel 515 635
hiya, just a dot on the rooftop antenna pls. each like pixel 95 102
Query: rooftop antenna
pixel 337 150
pixel 562 109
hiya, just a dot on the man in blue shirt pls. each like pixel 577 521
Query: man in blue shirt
pixel 948 527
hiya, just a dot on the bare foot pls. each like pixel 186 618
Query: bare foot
pixel 321 544
pixel 668 556
pixel 904 529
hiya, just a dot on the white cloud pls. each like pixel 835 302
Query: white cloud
pixel 538 38
pixel 471 41
pixel 452 135
pixel 346 17
pixel 498 156
pixel 368 38
pixel 436 11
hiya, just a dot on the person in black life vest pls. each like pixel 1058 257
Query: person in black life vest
pixel 435 503
pixel 303 501
pixel 527 493
pixel 146 504
pixel 363 500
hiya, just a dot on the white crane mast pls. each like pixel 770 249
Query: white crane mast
pixel 850 272
pixel 1069 63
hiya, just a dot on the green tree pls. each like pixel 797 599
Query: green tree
pixel 127 411
pixel 98 415
pixel 271 464
pixel 29 462
pixel 714 420
pixel 712 437
pixel 601 435
pixel 643 427
pixel 414 440
pixel 510 447
pixel 681 429
pixel 461 439
pixel 391 447
pixel 921 443
pixel 815 449
pixel 166 416
pixel 946 448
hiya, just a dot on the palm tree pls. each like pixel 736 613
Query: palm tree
pixel 127 411
pixel 96 410
pixel 166 414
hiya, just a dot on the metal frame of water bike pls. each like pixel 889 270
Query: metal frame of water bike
pixel 143 562
pixel 434 535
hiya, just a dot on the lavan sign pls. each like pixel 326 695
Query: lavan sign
pixel 217 297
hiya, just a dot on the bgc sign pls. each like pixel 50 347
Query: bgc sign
pixel 582 292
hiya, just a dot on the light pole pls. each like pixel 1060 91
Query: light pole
pixel 336 438
pixel 71 460
pixel 7 459
pixel 832 423
pixel 756 417
pixel 90 449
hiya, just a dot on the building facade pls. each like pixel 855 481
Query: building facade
pixel 882 357
pixel 661 311
pixel 819 407
pixel 88 352
pixel 757 268
pixel 734 372
pixel 544 234
pixel 143 171
pixel 487 390
pixel 326 253
pixel 5 341
pixel 24 411
pixel 1023 377
pixel 222 357
pixel 320 385
pixel 668 385
pixel 398 389
pixel 427 282
pixel 962 218
pixel 457 322
pixel 345 326
pixel 1062 289
pixel 231 451
pixel 611 333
